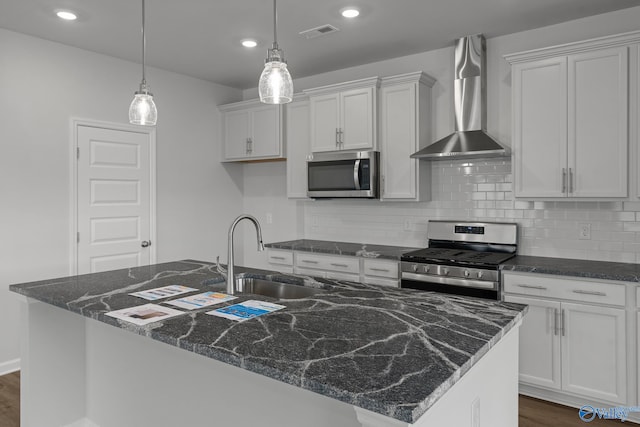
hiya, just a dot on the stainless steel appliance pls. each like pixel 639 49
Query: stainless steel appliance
pixel 346 175
pixel 462 258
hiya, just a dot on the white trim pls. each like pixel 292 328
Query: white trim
pixel 73 190
pixel 9 366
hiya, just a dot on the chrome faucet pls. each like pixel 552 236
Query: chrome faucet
pixel 230 274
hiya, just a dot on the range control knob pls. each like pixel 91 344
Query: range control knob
pixel 426 268
pixel 414 267
pixel 466 273
pixel 479 274
pixel 445 271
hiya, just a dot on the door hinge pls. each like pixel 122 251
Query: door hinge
pixel 78 237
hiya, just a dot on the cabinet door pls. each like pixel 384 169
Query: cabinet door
pixel 298 136
pixel 325 122
pixel 398 139
pixel 539 343
pixel 357 119
pixel 540 127
pixel 597 133
pixel 594 352
pixel 265 132
pixel 236 133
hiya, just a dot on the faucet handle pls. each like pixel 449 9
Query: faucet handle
pixel 220 269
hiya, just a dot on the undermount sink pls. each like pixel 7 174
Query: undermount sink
pixel 273 289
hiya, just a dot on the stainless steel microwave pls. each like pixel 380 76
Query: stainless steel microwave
pixel 343 175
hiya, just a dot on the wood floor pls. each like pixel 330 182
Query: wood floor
pixel 533 412
pixel 10 400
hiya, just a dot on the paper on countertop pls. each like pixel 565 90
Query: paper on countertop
pixel 246 310
pixel 163 292
pixel 144 314
pixel 206 299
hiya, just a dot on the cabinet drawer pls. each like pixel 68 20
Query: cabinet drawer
pixel 343 264
pixel 310 272
pixel 570 289
pixel 381 281
pixel 280 257
pixel 336 275
pixel 380 268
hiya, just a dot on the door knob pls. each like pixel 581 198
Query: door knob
pixel 145 243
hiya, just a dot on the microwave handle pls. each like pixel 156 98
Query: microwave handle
pixel 356 170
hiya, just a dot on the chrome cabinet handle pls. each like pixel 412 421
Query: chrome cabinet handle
pixel 541 288
pixel 337 138
pixel 277 257
pixel 596 293
pixel 249 145
pixel 564 180
pixel 555 321
pixel 562 316
pixel 385 270
pixel 570 180
pixel 339 265
pixel 341 136
pixel 309 261
pixel 145 243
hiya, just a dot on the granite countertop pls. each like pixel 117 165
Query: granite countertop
pixel 364 250
pixel 604 270
pixel 389 350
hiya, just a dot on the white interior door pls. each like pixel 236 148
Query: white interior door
pixel 113 199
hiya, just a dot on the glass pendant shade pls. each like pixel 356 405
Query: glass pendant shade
pixel 275 85
pixel 142 110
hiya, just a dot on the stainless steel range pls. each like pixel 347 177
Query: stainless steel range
pixel 463 258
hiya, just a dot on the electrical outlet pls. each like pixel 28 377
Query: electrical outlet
pixel 269 218
pixel 584 231
pixel 475 412
pixel 407 225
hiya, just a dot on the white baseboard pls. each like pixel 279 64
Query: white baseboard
pixel 9 366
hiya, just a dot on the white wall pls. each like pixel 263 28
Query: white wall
pixel 468 190
pixel 42 86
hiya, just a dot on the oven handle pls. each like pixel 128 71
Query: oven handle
pixel 469 283
pixel 356 178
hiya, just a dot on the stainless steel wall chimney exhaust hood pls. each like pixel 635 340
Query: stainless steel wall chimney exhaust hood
pixel 470 139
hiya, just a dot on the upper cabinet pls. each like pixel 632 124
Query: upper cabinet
pixel 570 123
pixel 344 116
pixel 405 127
pixel 251 131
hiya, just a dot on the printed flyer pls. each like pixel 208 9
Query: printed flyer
pixel 164 292
pixel 206 299
pixel 246 310
pixel 144 314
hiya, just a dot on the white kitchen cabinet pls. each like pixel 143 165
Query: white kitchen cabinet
pixel 251 131
pixel 298 147
pixel 280 260
pixel 572 341
pixel 344 116
pixel 405 127
pixel 380 272
pixel 571 110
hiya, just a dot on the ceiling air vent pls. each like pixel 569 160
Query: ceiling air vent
pixel 319 31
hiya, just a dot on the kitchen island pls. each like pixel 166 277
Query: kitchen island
pixel 353 355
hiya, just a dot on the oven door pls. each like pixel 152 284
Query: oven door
pixel 451 285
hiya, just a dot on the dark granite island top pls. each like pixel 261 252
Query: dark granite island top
pixel 391 351
pixel 364 250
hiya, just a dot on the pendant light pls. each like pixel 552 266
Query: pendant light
pixel 142 110
pixel 275 86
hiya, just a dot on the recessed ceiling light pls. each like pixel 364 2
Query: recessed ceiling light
pixel 66 15
pixel 350 12
pixel 249 43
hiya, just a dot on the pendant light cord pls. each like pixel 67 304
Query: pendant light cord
pixel 144 43
pixel 275 26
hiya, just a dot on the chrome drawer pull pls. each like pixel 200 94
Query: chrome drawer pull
pixel 380 269
pixel 309 261
pixel 339 265
pixel 541 288
pixel 278 257
pixel 596 293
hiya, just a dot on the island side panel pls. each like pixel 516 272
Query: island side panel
pixel 52 379
pixel 488 393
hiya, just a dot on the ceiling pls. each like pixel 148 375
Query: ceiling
pixel 201 38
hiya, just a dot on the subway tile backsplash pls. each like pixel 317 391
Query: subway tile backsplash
pixel 482 190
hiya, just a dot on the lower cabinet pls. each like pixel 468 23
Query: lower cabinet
pixel 337 267
pixel 571 347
